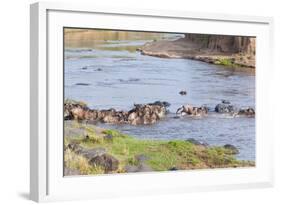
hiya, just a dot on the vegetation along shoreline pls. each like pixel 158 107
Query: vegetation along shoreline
pixel 90 149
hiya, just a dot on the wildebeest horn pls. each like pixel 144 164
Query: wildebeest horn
pixel 180 109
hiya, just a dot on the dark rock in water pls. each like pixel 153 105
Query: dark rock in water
pixel 106 161
pixel 232 148
pixel 99 69
pixel 70 172
pixel 130 80
pixel 249 112
pixel 84 68
pixel 176 117
pixel 134 79
pixel 196 142
pixel 183 92
pixel 83 84
pixel 173 169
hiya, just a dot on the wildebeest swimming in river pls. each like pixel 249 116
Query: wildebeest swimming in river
pixel 227 107
pixel 141 113
pixel 192 111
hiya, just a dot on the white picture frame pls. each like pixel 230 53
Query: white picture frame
pixel 46 179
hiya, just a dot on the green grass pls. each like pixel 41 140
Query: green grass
pixel 225 62
pixel 228 62
pixel 161 155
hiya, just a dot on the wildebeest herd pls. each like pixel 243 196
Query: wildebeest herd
pixel 145 114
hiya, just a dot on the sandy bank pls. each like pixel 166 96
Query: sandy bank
pixel 227 51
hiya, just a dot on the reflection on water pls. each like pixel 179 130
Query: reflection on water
pixel 87 38
pixel 108 74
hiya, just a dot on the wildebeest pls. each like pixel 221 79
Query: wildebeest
pixel 192 111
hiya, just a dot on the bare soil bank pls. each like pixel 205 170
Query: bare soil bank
pixel 232 51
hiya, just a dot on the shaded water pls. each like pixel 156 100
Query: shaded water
pixel 111 73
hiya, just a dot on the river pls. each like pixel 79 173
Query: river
pixel 112 74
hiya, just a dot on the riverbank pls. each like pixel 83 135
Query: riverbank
pixel 89 149
pixel 220 51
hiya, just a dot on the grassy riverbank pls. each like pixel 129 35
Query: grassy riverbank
pixel 135 155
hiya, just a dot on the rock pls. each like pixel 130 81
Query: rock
pixel 141 157
pixel 173 169
pixel 130 80
pixel 75 147
pixel 134 79
pixel 196 142
pixel 183 92
pixel 72 132
pixel 84 68
pixel 232 148
pixel 193 111
pixel 144 168
pixel 87 153
pixel 92 153
pixel 131 168
pixel 83 84
pixel 99 69
pixel 141 165
pixel 108 137
pixel 249 112
pixel 106 161
pixel 96 157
